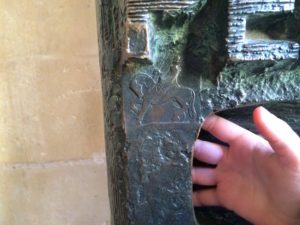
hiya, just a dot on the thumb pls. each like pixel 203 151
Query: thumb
pixel 284 141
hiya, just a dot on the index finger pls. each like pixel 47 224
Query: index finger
pixel 224 130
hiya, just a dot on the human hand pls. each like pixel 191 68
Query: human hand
pixel 257 178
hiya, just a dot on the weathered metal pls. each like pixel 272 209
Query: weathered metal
pixel 242 49
pixel 157 96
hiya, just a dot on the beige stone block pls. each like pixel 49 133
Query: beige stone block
pixel 43 28
pixel 64 193
pixel 50 97
pixel 50 111
pixel 52 168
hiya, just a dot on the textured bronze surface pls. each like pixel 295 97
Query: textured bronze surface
pixel 155 100
pixel 242 49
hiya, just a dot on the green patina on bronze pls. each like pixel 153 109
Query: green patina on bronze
pixel 154 107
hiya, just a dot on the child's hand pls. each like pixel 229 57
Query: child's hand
pixel 257 178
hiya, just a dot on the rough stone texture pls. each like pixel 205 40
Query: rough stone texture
pixel 138 10
pixel 111 29
pixel 138 19
pixel 154 108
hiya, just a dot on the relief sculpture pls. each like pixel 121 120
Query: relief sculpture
pixel 249 50
pixel 166 65
pixel 138 19
pixel 155 98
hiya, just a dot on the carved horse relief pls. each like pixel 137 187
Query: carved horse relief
pixel 154 96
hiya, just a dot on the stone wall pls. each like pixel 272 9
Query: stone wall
pixel 52 162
